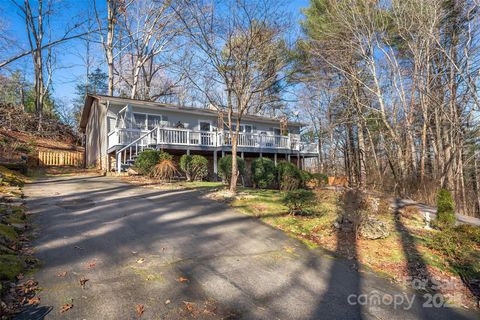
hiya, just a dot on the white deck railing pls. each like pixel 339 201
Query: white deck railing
pixel 260 141
pixel 187 137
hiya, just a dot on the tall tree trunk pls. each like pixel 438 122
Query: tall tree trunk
pixel 361 155
pixel 109 45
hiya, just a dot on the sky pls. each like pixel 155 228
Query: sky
pixel 70 67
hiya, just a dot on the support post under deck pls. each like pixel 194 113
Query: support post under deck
pixel 215 164
pixel 119 161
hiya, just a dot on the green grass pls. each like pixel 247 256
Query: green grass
pixel 201 184
pixel 10 266
pixel 8 232
pixel 267 206
pixel 11 178
pixel 12 262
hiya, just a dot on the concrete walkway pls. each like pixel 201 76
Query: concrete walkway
pixel 181 255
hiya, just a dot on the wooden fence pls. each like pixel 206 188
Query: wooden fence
pixel 60 158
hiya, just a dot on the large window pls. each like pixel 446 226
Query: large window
pixel 153 121
pixel 243 128
pixel 143 121
pixel 139 121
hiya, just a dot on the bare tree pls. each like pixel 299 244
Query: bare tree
pixel 115 8
pixel 406 75
pixel 242 44
pixel 150 29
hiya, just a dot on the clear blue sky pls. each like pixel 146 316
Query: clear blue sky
pixel 70 66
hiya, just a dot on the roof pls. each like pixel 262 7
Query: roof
pixel 170 107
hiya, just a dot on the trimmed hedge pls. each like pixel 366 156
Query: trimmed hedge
pixel 195 167
pixel 225 167
pixel 263 172
pixel 147 160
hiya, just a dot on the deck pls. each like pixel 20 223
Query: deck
pixel 206 140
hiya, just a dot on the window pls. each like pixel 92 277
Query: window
pixel 205 126
pixel 153 121
pixel 111 124
pixel 277 132
pixel 243 128
pixel 139 121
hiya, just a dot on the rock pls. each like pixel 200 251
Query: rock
pixel 19 226
pixel 13 203
pixel 132 172
pixel 373 229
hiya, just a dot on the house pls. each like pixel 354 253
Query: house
pixel 118 129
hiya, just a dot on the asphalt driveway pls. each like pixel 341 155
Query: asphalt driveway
pixel 181 255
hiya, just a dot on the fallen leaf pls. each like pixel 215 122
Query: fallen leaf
pixel 139 309
pixel 167 301
pixel 83 280
pixel 210 308
pixel 34 300
pixel 141 260
pixel 62 274
pixel 182 279
pixel 66 307
pixel 92 265
pixel 189 306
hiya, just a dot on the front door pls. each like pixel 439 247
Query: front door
pixel 205 136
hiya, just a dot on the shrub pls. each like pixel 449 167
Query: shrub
pixel 305 177
pixel 225 167
pixel 288 176
pixel 299 201
pixel 164 170
pixel 460 245
pixel 321 178
pixel 445 209
pixel 195 167
pixel 263 172
pixel 149 158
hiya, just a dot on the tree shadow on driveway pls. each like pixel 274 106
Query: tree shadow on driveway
pixel 178 253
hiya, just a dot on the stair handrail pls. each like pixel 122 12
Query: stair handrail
pixel 137 140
